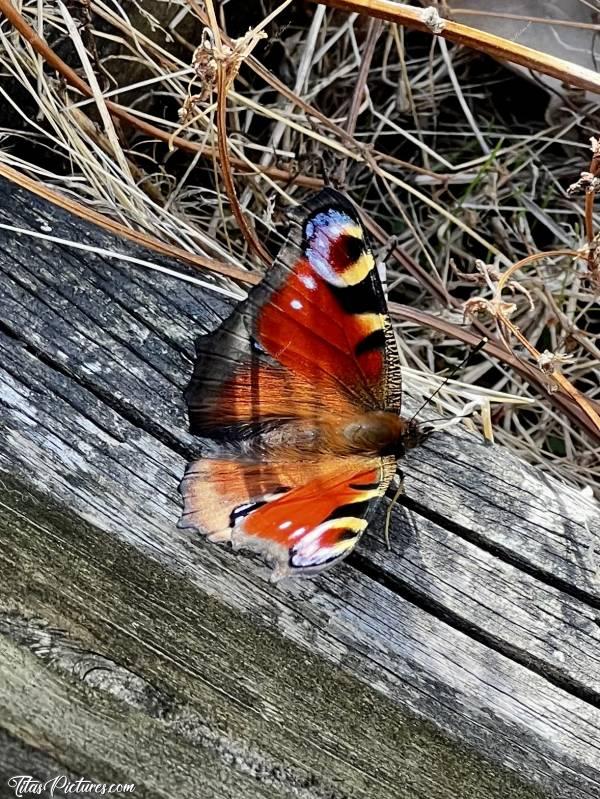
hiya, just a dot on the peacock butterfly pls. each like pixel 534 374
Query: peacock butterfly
pixel 300 389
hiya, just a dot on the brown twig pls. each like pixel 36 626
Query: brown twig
pixel 500 353
pixel 428 21
pixel 373 33
pixel 554 374
pixel 590 196
pixel 226 72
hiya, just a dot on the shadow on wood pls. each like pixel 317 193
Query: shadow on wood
pixel 465 663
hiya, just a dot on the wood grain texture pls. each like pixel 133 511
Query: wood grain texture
pixel 462 664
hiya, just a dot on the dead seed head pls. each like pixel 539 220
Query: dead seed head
pixel 233 57
pixel 548 362
pixel 489 275
pixel 587 184
pixel 479 307
pixel 205 62
pixel 489 272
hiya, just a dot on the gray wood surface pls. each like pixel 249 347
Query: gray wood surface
pixel 465 663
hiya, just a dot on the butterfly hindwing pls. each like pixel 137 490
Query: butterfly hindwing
pixel 313 339
pixel 303 517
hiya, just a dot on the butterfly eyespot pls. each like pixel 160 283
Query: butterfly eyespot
pixel 336 249
pixel 354 247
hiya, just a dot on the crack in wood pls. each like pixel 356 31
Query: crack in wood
pixel 514 653
pixel 508 556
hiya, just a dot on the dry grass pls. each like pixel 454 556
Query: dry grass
pixel 456 158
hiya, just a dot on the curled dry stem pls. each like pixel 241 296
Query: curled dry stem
pixel 228 61
pixel 548 363
pixel 589 184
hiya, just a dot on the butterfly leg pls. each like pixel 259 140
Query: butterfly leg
pixel 397 486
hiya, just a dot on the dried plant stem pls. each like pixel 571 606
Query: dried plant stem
pixel 373 33
pixel 72 78
pixel 226 172
pixel 590 196
pixel 530 259
pixel 225 78
pixel 117 229
pixel 559 379
pixel 426 21
pixel 566 401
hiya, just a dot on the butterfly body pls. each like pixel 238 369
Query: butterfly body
pixel 299 389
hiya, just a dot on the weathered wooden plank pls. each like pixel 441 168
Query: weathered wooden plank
pixel 110 733
pixel 513 509
pixel 192 688
pixel 19 757
pixel 534 623
pixel 445 627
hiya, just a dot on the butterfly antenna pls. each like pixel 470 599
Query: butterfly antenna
pixel 480 345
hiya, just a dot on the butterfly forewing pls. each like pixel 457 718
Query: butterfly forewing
pixel 313 338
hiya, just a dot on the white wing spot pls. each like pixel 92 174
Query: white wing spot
pixel 285 525
pixel 309 282
pixel 296 304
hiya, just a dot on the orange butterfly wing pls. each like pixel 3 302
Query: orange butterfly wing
pixel 287 382
pixel 312 340
pixel 303 517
